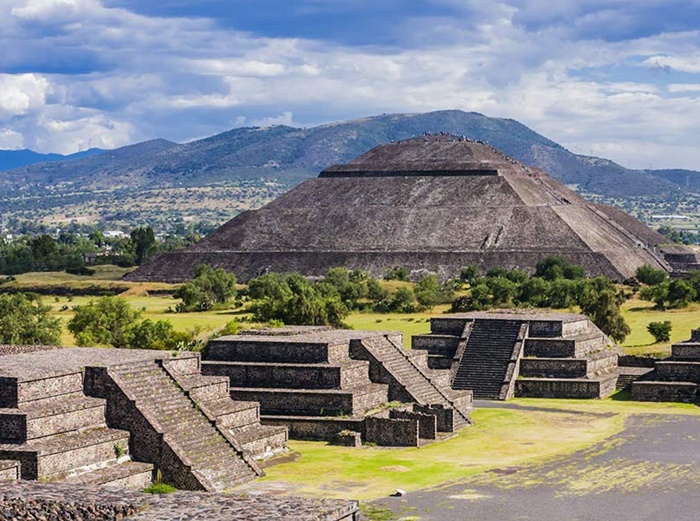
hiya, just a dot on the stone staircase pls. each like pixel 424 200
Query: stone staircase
pixel 483 366
pixel 214 460
pixel 54 432
pixel 414 378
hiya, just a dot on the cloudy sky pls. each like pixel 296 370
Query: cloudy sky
pixel 613 78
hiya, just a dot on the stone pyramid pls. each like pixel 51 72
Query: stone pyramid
pixel 436 203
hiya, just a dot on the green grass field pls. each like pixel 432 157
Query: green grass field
pixel 500 438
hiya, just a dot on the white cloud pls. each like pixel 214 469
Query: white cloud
pixel 127 77
pixel 21 93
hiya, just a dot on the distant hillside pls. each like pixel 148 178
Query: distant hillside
pixel 11 159
pixel 216 177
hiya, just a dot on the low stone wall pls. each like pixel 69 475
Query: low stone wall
pixel 442 345
pixel 636 361
pixel 302 403
pixel 9 470
pixel 427 423
pixel 290 376
pixel 564 388
pixel 262 350
pixel 445 417
pixel 686 351
pixel 392 432
pixel 671 371
pixel 31 500
pixel 664 392
pixel 553 367
pixel 309 428
pixel 448 326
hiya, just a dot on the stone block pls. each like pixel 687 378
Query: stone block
pixel 654 391
pixel 674 371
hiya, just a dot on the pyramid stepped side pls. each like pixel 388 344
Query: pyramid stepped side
pixel 170 429
pixel 313 382
pixel 371 213
pixel 571 359
pixel 676 379
pixel 538 355
pixel 410 379
pixel 54 432
pixel 294 375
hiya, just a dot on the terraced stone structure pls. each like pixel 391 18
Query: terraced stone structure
pixel 674 379
pixel 107 416
pixel 435 203
pixel 322 383
pixel 500 355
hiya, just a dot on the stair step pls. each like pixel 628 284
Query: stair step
pixel 129 473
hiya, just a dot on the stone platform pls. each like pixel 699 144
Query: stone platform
pixel 320 382
pixel 108 416
pixel 499 355
pixel 675 379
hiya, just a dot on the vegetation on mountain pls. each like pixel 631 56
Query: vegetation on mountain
pixel 212 179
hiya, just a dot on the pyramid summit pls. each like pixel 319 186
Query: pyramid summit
pixel 437 202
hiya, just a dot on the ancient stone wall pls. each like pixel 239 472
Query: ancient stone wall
pixel 392 433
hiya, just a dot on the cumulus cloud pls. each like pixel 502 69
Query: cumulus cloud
pixel 82 73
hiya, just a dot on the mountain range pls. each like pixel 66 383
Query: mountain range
pixel 252 165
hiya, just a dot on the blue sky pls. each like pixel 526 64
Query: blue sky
pixel 612 78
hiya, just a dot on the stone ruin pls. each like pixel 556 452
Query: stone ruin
pixel 339 385
pixel 674 379
pixel 499 355
pixel 434 203
pixel 106 416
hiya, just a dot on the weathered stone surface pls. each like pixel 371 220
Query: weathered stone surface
pixel 480 206
pixel 35 501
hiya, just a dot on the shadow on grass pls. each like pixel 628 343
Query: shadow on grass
pixel 622 396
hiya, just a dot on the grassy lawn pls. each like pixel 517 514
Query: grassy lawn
pixel 639 313
pixel 500 438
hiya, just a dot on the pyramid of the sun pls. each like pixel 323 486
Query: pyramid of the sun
pixel 437 203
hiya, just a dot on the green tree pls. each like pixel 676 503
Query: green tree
pixel 24 319
pixel 294 299
pixel 680 293
pixel 208 287
pixel 143 240
pixel 429 291
pixel 397 273
pixel 503 291
pixel 106 321
pixel 534 291
pixel 649 275
pixel 661 331
pixel 602 305
pixel 552 268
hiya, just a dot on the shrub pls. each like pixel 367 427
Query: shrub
pixel 397 273
pixel 649 275
pixel 661 331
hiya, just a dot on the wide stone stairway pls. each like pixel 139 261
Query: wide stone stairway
pixel 409 371
pixel 483 366
pixel 192 435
